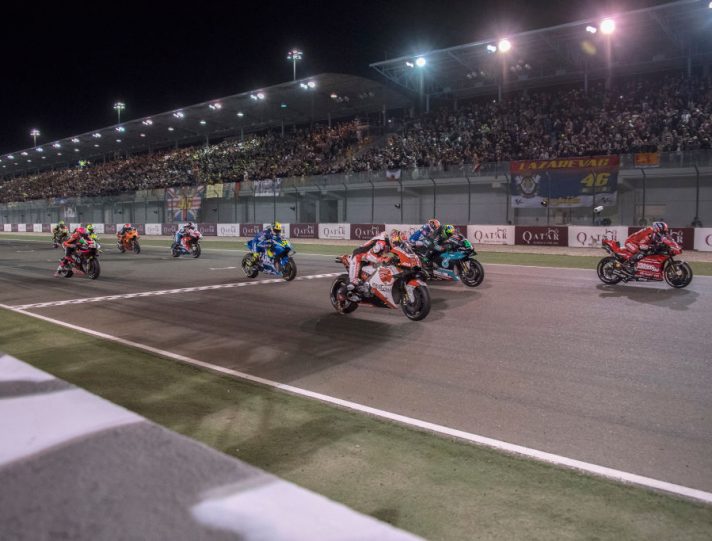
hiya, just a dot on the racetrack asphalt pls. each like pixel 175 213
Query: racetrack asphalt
pixel 545 358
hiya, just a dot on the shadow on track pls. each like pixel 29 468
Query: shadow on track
pixel 676 299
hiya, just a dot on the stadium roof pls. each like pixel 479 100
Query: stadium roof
pixel 328 95
pixel 675 35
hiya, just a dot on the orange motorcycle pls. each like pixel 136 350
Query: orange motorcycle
pixel 129 242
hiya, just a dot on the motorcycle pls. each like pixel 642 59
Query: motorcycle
pixel 129 242
pixel 400 282
pixel 59 237
pixel 189 245
pixel 457 262
pixel 85 259
pixel 276 261
pixel 658 265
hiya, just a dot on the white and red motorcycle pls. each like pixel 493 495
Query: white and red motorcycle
pixel 400 282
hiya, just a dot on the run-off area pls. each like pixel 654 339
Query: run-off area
pixel 549 359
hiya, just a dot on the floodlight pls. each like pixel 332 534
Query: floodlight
pixel 142 134
pixel 240 114
pixel 420 62
pixel 591 29
pixel 179 114
pixel 504 45
pixel 215 106
pixel 409 64
pixel 23 153
pixel 96 135
pixel 120 129
pixel 118 140
pixel 491 48
pixel 607 26
pixel 10 157
pixel 75 140
pixel 56 145
pixel 147 122
pixel 311 84
pixel 203 123
pixel 39 149
pixel 260 96
pixel 170 128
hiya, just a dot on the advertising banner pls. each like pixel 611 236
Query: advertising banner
pixel 491 234
pixel 37 228
pixel 684 236
pixel 304 231
pixel 141 228
pixel 406 229
pixel 209 230
pixel 99 229
pixel 366 231
pixel 334 231
pixel 564 182
pixel 153 229
pixel 7 227
pixel 228 230
pixel 591 237
pixel 46 228
pixel 110 228
pixel 703 239
pixel 169 229
pixel 22 228
pixel 541 235
pixel 250 230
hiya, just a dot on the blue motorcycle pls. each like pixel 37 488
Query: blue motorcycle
pixel 276 260
pixel 456 262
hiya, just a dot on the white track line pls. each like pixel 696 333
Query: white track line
pixel 166 292
pixel 541 456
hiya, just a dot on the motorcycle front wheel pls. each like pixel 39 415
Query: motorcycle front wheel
pixel 248 266
pixel 175 250
pixel 93 269
pixel 121 247
pixel 195 250
pixel 472 272
pixel 678 274
pixel 605 271
pixel 338 298
pixel 136 247
pixel 289 271
pixel 419 308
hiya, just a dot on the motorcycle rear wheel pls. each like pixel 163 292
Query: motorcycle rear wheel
pixel 678 274
pixel 472 273
pixel 604 269
pixel 420 307
pixel 338 298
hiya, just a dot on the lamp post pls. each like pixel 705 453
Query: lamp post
pixel 607 27
pixel 118 107
pixel 503 47
pixel 35 133
pixel 293 56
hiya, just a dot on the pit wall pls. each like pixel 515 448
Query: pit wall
pixel 573 236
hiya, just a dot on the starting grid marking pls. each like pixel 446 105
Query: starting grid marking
pixel 104 298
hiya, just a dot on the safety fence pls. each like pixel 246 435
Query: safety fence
pixel 689 238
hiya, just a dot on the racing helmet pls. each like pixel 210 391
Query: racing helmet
pixel 434 224
pixel 661 228
pixel 90 228
pixel 61 222
pixel 395 238
pixel 448 231
pixel 127 226
pixel 81 231
pixel 190 225
pixel 277 228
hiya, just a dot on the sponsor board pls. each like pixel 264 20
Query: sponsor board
pixel 99 229
pixel 228 230
pixel 46 228
pixel 703 239
pixel 110 228
pixel 285 229
pixel 684 236
pixel 7 227
pixel 209 230
pixel 250 230
pixel 491 234
pixel 406 229
pixel 591 237
pixel 37 228
pixel 22 228
pixel 334 231
pixel 304 231
pixel 169 229
pixel 366 231
pixel 13 227
pixel 153 229
pixel 541 235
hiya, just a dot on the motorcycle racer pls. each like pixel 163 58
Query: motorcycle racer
pixel 428 231
pixel 642 241
pixel 259 244
pixel 374 251
pixel 70 245
pixel 92 234
pixel 183 231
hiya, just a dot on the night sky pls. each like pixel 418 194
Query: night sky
pixel 65 64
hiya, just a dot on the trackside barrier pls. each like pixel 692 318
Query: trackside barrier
pixel 689 238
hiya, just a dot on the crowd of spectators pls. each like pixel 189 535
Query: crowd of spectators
pixel 667 113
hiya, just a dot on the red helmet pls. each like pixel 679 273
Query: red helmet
pixel 127 226
pixel 434 224
pixel 81 231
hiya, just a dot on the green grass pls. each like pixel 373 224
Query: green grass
pixel 432 486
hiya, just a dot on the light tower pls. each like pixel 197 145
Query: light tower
pixel 35 133
pixel 293 56
pixel 118 107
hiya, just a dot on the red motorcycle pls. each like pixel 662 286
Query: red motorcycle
pixel 658 265
pixel 85 260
